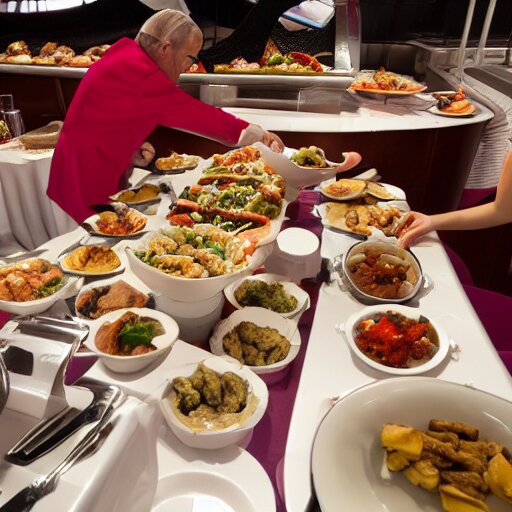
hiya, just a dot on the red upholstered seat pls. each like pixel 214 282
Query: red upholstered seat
pixel 494 311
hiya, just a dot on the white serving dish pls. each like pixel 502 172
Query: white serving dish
pixel 91 221
pixel 131 364
pixel 117 270
pixel 413 313
pixel 347 456
pixel 302 297
pixel 190 290
pixel 33 307
pixel 392 189
pixel 135 204
pixel 212 440
pixel 263 318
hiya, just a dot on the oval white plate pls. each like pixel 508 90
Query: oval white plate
pixel 130 364
pixel 117 270
pixel 92 222
pixel 115 196
pixel 302 297
pixel 263 318
pixel 347 455
pixel 435 110
pixel 226 480
pixel 353 320
pixel 392 189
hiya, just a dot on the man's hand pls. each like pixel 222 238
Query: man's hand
pixel 144 155
pixel 273 142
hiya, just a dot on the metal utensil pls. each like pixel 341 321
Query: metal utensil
pixel 167 188
pixel 20 257
pixel 49 433
pixel 4 384
pixel 24 500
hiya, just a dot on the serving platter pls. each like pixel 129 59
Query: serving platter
pixel 347 457
pixel 90 225
pixel 438 112
pixel 397 192
pixel 117 270
pixel 388 93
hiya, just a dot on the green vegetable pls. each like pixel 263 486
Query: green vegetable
pixel 51 287
pixel 196 216
pixel 275 59
pixel 215 249
pixel 136 334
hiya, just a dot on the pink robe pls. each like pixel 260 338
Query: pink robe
pixel 120 101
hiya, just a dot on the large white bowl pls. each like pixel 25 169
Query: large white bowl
pixel 191 290
pixel 212 440
pixel 303 301
pixel 131 364
pixel 32 307
pixel 263 318
pixel 413 313
pixel 347 456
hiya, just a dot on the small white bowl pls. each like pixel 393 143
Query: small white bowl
pixel 263 318
pixel 32 307
pixel 215 439
pixel 190 290
pixel 413 313
pixel 302 297
pixel 131 364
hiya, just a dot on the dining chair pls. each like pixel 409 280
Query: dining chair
pixel 494 310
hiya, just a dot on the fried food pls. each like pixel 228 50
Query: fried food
pixel 95 259
pixel 176 161
pixel 126 222
pixel 145 193
pixel 382 80
pixel 260 345
pixel 208 400
pixel 30 279
pixel 463 471
pixel 96 302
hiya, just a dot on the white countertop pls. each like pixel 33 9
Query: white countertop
pixel 364 120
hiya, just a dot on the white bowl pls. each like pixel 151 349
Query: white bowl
pixel 302 297
pixel 263 318
pixel 32 307
pixel 191 290
pixel 347 455
pixel 413 313
pixel 131 364
pixel 212 440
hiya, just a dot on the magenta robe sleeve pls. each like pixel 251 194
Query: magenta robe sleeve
pixel 174 108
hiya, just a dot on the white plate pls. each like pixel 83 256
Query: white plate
pixel 263 318
pixel 413 313
pixel 392 189
pixel 302 297
pixel 117 270
pixel 347 456
pixel 94 228
pixel 115 196
pixel 226 480
pixel 131 364
pixel 435 110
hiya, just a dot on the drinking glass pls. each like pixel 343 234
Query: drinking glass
pixel 6 102
pixel 14 122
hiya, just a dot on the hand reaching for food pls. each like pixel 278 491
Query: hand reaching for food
pixel 416 225
pixel 144 155
pixel 350 160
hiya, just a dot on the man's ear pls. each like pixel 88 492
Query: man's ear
pixel 167 47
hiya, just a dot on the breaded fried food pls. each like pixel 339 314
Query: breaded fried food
pixel 92 258
pixel 232 345
pixel 188 397
pixel 234 390
pixel 207 382
pixel 463 430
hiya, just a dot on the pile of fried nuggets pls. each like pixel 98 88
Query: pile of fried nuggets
pixel 449 458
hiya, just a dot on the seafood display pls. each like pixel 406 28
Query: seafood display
pixel 30 279
pixel 273 296
pixel 52 54
pixel 127 221
pixel 362 219
pixel 392 339
pixel 454 103
pixel 176 161
pixel 385 82
pixel 146 192
pixel 129 335
pixel 95 302
pixel 382 270
pixel 348 189
pixel 451 459
pixel 276 63
pixel 95 259
pixel 247 225
pixel 237 156
pixel 208 400
pixel 202 250
pixel 254 345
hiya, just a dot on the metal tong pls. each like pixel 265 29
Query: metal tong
pixel 51 432
pixel 25 499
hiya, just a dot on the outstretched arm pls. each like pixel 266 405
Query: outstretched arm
pixel 479 217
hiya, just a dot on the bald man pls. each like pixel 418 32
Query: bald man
pixel 122 99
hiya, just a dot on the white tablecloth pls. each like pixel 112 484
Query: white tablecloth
pixel 28 218
pixel 330 371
